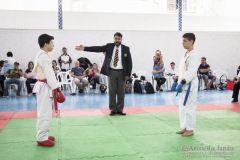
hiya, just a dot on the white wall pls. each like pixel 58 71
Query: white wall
pixel 28 20
pixel 115 21
pixel 220 48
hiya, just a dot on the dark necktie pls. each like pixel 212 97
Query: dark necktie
pixel 115 58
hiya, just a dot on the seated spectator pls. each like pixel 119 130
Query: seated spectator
pixel 29 79
pixel 158 73
pixel 205 73
pixel 173 73
pixel 13 77
pixel 55 67
pixel 64 60
pixel 10 58
pixel 2 78
pixel 236 88
pixel 84 62
pixel 94 76
pixel 79 77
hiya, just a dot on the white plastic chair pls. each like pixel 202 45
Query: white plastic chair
pixel 64 78
pixel 169 82
pixel 218 74
pixel 133 78
pixel 15 87
pixel 23 85
pixel 73 86
pixel 164 84
pixel 105 81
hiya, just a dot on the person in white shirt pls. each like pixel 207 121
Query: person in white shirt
pixel 10 58
pixel 172 77
pixel 188 86
pixel 44 88
pixel 64 60
pixel 236 88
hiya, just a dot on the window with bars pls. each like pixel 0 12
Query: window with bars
pixel 187 5
pixel 171 5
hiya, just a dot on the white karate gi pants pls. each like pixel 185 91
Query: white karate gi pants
pixel 187 113
pixel 44 111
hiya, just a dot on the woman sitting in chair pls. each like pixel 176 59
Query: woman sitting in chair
pixel 94 76
pixel 30 79
pixel 158 73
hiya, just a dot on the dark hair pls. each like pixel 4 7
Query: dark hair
pixel 44 38
pixel 64 48
pixel 9 54
pixel 172 63
pixel 1 63
pixel 190 37
pixel 16 63
pixel 29 64
pixel 90 65
pixel 204 58
pixel 54 61
pixel 118 34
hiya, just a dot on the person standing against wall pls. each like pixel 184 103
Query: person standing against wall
pixel 10 58
pixel 117 66
pixel 64 60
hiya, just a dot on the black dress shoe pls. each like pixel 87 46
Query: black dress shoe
pixel 112 113
pixel 234 100
pixel 121 113
pixel 81 91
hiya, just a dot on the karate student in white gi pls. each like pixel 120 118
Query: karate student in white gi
pixel 188 86
pixel 43 88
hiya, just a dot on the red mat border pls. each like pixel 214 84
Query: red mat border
pixel 5 117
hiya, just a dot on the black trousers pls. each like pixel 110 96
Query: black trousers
pixel 28 82
pixel 116 85
pixel 160 81
pixel 236 90
pixel 63 70
pixel 2 78
pixel 94 81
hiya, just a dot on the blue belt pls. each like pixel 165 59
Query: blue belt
pixel 187 94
